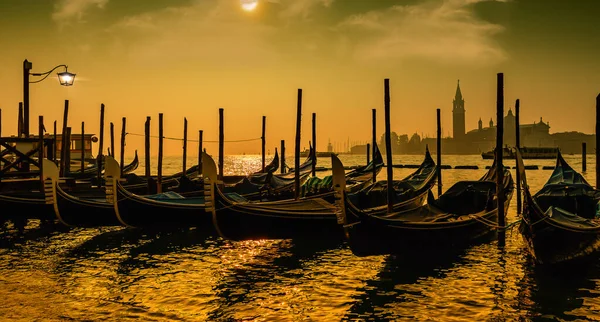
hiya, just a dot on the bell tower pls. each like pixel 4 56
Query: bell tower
pixel 458 114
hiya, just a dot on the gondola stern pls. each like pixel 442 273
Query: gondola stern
pixel 209 172
pixel 50 174
pixel 339 187
pixel 112 177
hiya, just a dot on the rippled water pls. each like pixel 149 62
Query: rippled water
pixel 57 274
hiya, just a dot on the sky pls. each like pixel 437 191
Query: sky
pixel 188 58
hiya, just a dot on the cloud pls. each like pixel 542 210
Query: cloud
pixel 216 32
pixel 301 8
pixel 68 10
pixel 439 30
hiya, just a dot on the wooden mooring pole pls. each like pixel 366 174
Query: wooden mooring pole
pixel 99 158
pixel 0 122
pixel 160 154
pixel 64 143
pixel 499 164
pixel 297 147
pixel 388 147
pixel 112 140
pixel 184 161
pixel 314 142
pixel 68 152
pixel 439 152
pixel 368 153
pixel 518 146
pixel 598 141
pixel 200 151
pixel 374 143
pixel 82 161
pixel 263 141
pixel 147 153
pixel 54 146
pixel 282 167
pixel 123 133
pixel 221 142
pixel 41 150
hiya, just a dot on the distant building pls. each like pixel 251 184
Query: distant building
pixel 483 139
pixel 458 114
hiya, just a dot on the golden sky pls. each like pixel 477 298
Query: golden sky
pixel 188 58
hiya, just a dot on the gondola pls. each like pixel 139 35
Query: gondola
pixel 30 203
pixel 179 182
pixel 560 222
pixel 92 172
pixel 409 192
pixel 252 184
pixel 91 210
pixel 356 179
pixel 240 219
pixel 162 210
pixel 23 199
pixel 22 205
pixel 465 212
pixel 257 176
pixel 270 186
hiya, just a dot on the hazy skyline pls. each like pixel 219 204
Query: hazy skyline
pixel 188 58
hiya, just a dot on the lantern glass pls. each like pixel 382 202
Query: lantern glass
pixel 66 79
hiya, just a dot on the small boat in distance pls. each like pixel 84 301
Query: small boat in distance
pixel 319 154
pixel 526 153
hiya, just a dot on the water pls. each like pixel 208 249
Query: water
pixel 58 274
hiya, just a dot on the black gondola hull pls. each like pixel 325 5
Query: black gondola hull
pixel 137 211
pixel 367 239
pixel 560 222
pixel 270 221
pixel 20 206
pixel 80 212
pixel 549 243
pixel 464 214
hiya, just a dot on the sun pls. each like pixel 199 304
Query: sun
pixel 249 5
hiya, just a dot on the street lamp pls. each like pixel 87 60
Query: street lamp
pixel 65 78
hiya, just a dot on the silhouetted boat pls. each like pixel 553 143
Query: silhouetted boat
pixel 356 179
pixel 464 213
pixel 92 172
pixel 139 184
pixel 526 153
pixel 88 211
pixel 309 217
pixel 269 168
pixel 270 186
pixel 25 204
pixel 162 210
pixel 560 222
pixel 409 192
pixel 240 219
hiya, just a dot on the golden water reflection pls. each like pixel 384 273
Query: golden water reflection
pixel 122 274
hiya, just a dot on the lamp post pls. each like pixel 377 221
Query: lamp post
pixel 65 78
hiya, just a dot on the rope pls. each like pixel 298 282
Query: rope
pixel 553 224
pixel 492 224
pixel 204 141
pixel 535 223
